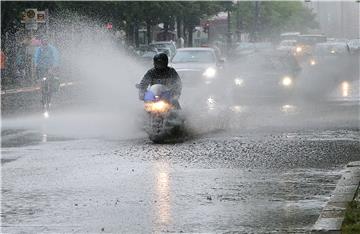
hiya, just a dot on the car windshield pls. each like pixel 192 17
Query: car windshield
pixel 288 43
pixel 267 63
pixel 149 54
pixel 161 45
pixel 311 40
pixel 195 56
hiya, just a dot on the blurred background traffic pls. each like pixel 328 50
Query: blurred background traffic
pixel 309 47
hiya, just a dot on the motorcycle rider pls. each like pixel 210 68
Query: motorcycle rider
pixel 161 73
pixel 46 58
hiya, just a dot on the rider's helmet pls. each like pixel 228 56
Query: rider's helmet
pixel 161 61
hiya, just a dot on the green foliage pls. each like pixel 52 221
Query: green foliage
pixel 351 223
pixel 273 17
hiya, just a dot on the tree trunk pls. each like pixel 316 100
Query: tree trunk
pixel 148 32
pixel 130 33
pixel 136 31
pixel 166 27
pixel 190 31
pixel 184 32
pixel 178 27
pixel 256 22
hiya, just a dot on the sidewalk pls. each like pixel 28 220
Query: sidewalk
pixel 333 214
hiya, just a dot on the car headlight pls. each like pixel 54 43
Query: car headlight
pixel 298 49
pixel 238 82
pixel 312 62
pixel 286 81
pixel 209 72
pixel 345 88
pixel 211 100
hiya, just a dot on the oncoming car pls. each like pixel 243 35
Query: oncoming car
pixel 264 75
pixel 197 65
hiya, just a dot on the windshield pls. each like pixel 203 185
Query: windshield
pixel 149 54
pixel 288 43
pixel 194 56
pixel 262 63
pixel 311 40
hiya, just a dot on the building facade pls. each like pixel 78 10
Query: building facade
pixel 339 19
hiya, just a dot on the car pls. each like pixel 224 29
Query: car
pixel 287 45
pixel 332 52
pixel 146 58
pixel 197 65
pixel 161 45
pixel 306 43
pixel 354 46
pixel 263 75
pixel 166 51
pixel 289 35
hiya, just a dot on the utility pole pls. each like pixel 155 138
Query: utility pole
pixel 256 21
pixel 238 27
pixel 228 31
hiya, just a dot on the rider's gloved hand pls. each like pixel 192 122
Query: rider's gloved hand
pixel 141 95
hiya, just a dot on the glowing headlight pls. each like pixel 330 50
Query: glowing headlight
pixel 238 82
pixel 286 81
pixel 312 62
pixel 332 51
pixel 46 114
pixel 345 88
pixel 298 49
pixel 211 100
pixel 160 106
pixel 210 72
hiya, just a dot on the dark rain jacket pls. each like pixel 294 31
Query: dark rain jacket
pixel 168 77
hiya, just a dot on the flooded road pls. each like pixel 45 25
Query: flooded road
pixel 244 178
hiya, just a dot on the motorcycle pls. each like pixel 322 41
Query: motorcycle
pixel 162 115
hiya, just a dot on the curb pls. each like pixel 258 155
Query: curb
pixel 333 213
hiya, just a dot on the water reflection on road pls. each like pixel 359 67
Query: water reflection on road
pixel 162 194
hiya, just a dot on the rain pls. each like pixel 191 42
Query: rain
pixel 254 141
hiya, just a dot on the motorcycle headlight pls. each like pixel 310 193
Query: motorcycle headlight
pixel 209 72
pixel 286 81
pixel 160 106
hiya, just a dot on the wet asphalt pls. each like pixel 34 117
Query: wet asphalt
pixel 243 167
pixel 255 169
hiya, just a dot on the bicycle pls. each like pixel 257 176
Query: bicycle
pixel 49 85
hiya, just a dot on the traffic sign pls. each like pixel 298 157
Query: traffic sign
pixel 31 13
pixel 41 17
